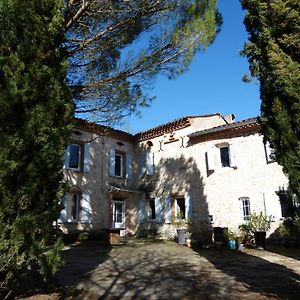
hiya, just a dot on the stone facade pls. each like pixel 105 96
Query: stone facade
pixel 209 169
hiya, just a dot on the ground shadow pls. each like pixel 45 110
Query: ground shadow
pixel 257 273
pixel 80 259
pixel 146 271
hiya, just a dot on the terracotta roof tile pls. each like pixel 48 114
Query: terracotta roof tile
pixel 168 127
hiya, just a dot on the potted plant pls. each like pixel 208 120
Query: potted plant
pixel 231 239
pixel 181 224
pixel 255 228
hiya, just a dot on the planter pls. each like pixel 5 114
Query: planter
pixel 181 236
pixel 260 239
pixel 231 244
pixel 220 236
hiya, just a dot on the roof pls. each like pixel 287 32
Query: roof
pixel 240 128
pixel 244 127
pixel 103 130
pixel 169 127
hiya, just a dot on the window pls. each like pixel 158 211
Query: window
pixel 119 159
pixel 180 208
pixel 221 155
pixel 74 210
pixel 120 164
pixel 74 157
pixel 245 202
pixel 152 214
pixel 225 160
pixel 270 153
pixel 70 210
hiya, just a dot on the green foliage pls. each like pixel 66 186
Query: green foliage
pixel 117 48
pixel 179 221
pixel 290 228
pixel 36 113
pixel 274 57
pixel 256 222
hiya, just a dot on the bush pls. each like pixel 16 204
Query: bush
pixel 256 222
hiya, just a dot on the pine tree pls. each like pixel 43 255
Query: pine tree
pixel 117 48
pixel 274 55
pixel 36 113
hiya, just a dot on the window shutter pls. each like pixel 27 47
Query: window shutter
pixel 189 207
pixel 211 158
pixel 85 207
pixel 272 205
pixel 142 164
pixel 158 210
pixel 128 165
pixel 168 210
pixel 149 163
pixel 87 158
pixel 111 162
pixel 63 212
pixel 141 211
pixel 66 157
pixel 232 156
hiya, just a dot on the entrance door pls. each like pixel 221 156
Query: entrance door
pixel 118 214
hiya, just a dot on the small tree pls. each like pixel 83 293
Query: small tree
pixel 36 113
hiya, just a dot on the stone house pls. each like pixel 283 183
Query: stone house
pixel 207 169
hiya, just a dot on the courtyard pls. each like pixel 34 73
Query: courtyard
pixel 149 269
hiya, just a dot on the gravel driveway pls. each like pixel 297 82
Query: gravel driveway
pixel 144 269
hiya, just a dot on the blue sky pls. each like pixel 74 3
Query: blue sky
pixel 212 84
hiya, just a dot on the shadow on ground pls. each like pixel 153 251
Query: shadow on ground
pixel 146 269
pixel 260 271
pixel 165 270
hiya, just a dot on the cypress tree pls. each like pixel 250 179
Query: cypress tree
pixel 36 113
pixel 274 55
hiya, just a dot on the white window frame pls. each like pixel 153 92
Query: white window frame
pixel 246 207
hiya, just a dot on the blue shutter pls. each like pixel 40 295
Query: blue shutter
pixel 85 207
pixel 168 210
pixel 87 158
pixel 66 157
pixel 149 163
pixel 111 162
pixel 189 207
pixel 141 211
pixel 158 210
pixel 142 164
pixel 128 165
pixel 63 212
